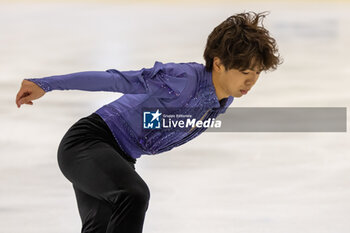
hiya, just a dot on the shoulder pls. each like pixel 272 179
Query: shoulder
pixel 184 69
pixel 182 78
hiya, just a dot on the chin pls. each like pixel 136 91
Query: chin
pixel 237 95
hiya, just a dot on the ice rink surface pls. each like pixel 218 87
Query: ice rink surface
pixel 218 182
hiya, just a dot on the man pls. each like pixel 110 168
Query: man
pixel 98 153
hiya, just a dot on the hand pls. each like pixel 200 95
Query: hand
pixel 29 91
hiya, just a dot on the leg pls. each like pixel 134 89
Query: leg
pixel 104 179
pixel 93 212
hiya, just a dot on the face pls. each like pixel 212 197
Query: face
pixel 234 82
pixel 238 83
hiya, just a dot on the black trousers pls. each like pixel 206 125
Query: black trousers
pixel 110 194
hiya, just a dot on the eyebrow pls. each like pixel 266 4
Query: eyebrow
pixel 254 70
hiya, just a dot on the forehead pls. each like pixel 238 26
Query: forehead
pixel 255 65
pixel 256 68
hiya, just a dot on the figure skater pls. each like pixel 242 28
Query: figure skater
pixel 98 153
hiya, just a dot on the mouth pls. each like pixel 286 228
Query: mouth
pixel 244 92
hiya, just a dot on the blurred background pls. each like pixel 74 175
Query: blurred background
pixel 218 182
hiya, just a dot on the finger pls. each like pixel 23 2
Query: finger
pixel 21 94
pixel 18 96
pixel 23 100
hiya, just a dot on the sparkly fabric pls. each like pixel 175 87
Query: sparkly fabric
pixel 185 87
pixel 41 83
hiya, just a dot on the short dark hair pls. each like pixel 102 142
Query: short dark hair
pixel 241 43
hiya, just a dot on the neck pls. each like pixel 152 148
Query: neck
pixel 220 93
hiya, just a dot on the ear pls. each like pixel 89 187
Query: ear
pixel 217 65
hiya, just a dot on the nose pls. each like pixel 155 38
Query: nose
pixel 251 81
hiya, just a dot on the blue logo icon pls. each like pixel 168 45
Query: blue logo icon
pixel 151 120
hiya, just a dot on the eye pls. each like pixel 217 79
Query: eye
pixel 245 72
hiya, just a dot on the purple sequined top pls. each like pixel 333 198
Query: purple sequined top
pixel 185 86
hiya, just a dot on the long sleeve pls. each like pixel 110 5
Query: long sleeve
pixel 145 81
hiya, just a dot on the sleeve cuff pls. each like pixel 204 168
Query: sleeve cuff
pixel 42 84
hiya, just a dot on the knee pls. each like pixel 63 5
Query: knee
pixel 139 194
pixel 63 158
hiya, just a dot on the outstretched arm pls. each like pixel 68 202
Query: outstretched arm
pixel 131 82
pixel 153 81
